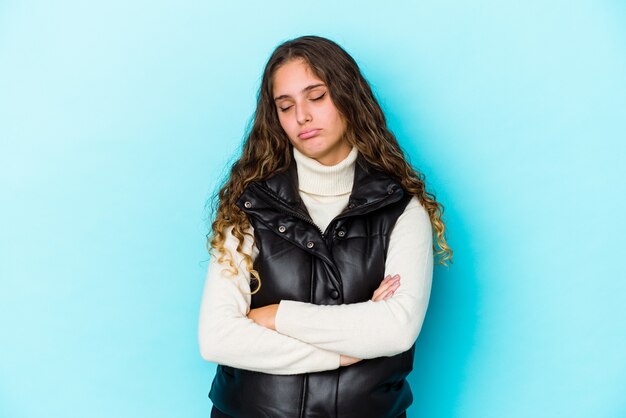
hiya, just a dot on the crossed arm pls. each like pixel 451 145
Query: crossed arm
pixel 297 337
pixel 227 336
pixel 266 315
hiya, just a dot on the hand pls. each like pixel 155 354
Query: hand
pixel 347 360
pixel 265 316
pixel 386 288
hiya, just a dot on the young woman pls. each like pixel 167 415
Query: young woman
pixel 320 219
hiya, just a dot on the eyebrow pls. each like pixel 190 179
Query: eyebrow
pixel 304 90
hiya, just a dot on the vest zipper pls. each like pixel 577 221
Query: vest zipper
pixel 302 217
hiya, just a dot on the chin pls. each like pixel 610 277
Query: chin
pixel 309 151
pixel 315 154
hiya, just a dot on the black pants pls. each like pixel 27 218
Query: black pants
pixel 216 413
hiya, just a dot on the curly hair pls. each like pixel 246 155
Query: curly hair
pixel 266 149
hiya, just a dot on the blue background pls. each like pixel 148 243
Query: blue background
pixel 117 119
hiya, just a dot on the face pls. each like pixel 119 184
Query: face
pixel 307 114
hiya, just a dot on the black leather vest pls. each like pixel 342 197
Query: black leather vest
pixel 344 264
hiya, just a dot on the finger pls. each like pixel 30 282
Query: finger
pixel 389 278
pixel 389 295
pixel 385 293
pixel 382 288
pixel 390 292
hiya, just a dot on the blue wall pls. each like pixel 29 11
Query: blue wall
pixel 117 118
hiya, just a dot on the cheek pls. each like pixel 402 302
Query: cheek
pixel 281 120
pixel 339 122
pixel 335 116
pixel 285 124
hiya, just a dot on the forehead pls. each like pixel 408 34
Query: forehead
pixel 293 76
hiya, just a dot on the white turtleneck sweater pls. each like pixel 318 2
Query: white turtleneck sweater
pixel 309 337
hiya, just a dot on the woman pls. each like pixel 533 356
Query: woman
pixel 320 219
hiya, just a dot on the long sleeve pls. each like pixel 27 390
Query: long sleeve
pixel 374 329
pixel 226 336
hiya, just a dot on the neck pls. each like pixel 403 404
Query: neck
pixel 325 180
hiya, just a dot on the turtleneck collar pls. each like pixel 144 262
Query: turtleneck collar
pixel 317 178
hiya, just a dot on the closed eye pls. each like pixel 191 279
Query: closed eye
pixel 284 109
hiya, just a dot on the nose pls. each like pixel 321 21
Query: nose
pixel 303 114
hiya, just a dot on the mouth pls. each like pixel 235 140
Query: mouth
pixel 308 133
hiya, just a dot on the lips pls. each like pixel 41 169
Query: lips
pixel 308 133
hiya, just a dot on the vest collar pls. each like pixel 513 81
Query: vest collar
pixel 371 189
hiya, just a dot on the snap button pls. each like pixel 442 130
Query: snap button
pixel 282 228
pixel 248 204
pixel 391 189
pixel 351 206
pixel 310 244
pixel 341 233
pixel 334 294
